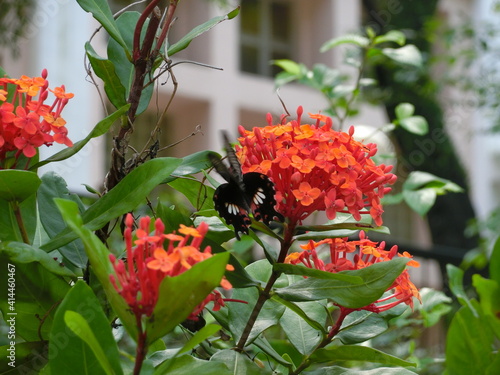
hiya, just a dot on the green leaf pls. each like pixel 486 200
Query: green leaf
pixel 355 39
pixel 421 201
pixel 198 194
pixel 307 311
pixel 123 198
pixel 17 185
pixel 54 186
pixel 37 293
pixel 192 164
pixel 101 128
pixel 9 228
pixel 377 278
pixel 102 13
pixel 337 370
pixel 360 326
pixel 455 279
pixel 238 363
pixel 88 343
pixel 301 334
pixel 494 266
pixel 395 36
pixel 469 343
pixel 105 69
pixel 188 365
pixel 30 357
pixel 199 337
pixel 291 269
pixel 179 295
pixel 489 299
pixel 404 110
pixel 408 55
pixel 415 125
pixel 198 30
pixel 289 66
pixel 357 353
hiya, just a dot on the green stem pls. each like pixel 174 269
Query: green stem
pixel 17 213
pixel 265 293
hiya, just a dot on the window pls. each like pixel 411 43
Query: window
pixel 265 35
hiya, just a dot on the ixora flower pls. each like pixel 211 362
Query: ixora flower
pixel 149 262
pixel 348 255
pixel 315 168
pixel 26 123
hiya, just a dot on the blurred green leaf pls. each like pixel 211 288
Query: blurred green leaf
pixel 395 36
pixel 238 363
pixel 404 110
pixel 455 279
pixel 354 39
pixel 360 326
pixel 415 125
pixel 494 266
pixel 408 55
pixel 187 365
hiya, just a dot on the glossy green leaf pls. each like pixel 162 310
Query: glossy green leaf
pixel 102 13
pixel 415 125
pixel 301 333
pixel 262 343
pixel 360 326
pixel 489 299
pixel 313 313
pixel 469 343
pixel 198 194
pixel 101 128
pixel 81 335
pixel 357 353
pixel 354 39
pixel 404 110
pixel 188 365
pixel 17 185
pixel 9 227
pixel 291 269
pixel 198 30
pixel 105 70
pixel 199 337
pixel 192 164
pixel 37 293
pixel 377 278
pixel 123 198
pixel 395 36
pixel 238 363
pixel 408 55
pixel 54 186
pixel 179 295
pixel 98 256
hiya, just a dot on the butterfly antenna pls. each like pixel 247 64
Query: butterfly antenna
pixel 234 163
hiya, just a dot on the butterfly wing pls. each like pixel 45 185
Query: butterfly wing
pixel 231 204
pixel 259 190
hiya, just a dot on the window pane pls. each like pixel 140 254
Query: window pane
pixel 280 21
pixel 250 59
pixel 250 20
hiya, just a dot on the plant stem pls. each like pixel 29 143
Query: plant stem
pixel 20 222
pixel 142 348
pixel 265 293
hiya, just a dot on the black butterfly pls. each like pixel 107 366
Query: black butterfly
pixel 243 194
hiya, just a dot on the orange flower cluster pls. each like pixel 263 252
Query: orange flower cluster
pixel 148 263
pixel 315 168
pixel 27 123
pixel 348 255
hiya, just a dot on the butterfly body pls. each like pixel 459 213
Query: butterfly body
pixel 243 194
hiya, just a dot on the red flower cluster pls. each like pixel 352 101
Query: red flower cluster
pixel 26 123
pixel 315 168
pixel 148 263
pixel 348 255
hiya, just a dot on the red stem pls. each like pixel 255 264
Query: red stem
pixel 142 348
